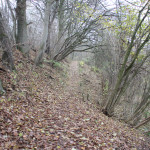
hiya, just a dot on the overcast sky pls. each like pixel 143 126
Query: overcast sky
pixel 110 2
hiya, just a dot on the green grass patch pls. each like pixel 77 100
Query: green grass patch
pixel 95 69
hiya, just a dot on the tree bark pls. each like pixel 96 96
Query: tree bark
pixel 22 39
pixel 143 122
pixel 13 19
pixel 42 49
pixel 6 45
pixel 60 18
pixel 1 88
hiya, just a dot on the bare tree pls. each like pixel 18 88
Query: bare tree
pixel 128 70
pixel 145 102
pixel 78 28
pixel 22 38
pixel 7 57
pixel 42 49
pixel 13 19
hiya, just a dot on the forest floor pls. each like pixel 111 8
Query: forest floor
pixel 44 108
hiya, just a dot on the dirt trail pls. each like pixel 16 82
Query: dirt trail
pixel 73 75
pixel 52 117
pixel 72 89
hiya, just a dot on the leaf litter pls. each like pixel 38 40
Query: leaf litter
pixel 42 113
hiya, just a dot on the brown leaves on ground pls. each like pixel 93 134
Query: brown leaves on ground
pixel 42 113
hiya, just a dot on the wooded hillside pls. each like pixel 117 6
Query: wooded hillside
pixel 75 74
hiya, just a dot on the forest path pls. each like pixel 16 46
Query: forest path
pixel 73 77
pixel 53 116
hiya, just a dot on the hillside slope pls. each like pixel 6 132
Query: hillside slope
pixel 44 109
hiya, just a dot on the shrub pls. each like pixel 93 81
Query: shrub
pixel 81 63
pixel 95 69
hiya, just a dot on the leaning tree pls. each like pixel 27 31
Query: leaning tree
pixel 138 35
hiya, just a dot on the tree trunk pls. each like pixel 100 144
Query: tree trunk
pixel 6 45
pixel 22 39
pixel 13 19
pixel 142 106
pixel 126 69
pixel 143 122
pixel 60 18
pixel 45 34
pixel 1 88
